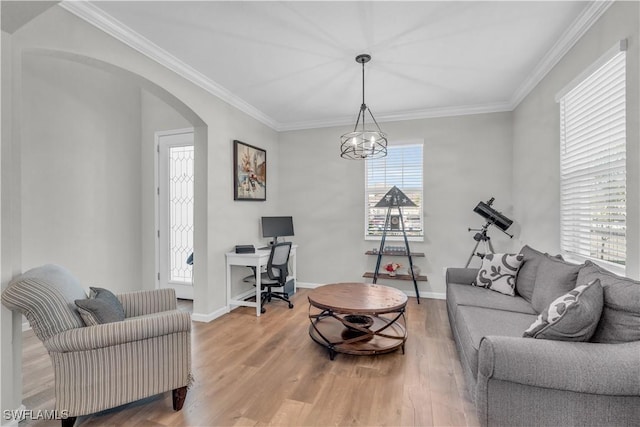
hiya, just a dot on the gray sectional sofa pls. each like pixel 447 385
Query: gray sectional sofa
pixel 519 381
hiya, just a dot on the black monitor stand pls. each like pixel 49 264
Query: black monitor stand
pixel 271 243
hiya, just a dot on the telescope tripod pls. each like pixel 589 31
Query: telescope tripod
pixel 481 237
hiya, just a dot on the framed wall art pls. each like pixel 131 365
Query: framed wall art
pixel 250 172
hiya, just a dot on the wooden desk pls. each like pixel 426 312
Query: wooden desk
pixel 257 260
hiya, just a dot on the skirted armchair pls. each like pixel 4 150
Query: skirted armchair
pixel 106 365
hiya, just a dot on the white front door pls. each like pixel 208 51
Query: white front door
pixel 175 211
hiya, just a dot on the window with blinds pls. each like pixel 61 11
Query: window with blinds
pixel 401 167
pixel 593 162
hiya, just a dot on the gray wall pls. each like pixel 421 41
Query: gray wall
pixel 81 162
pixel 466 159
pixel 536 149
pixel 89 162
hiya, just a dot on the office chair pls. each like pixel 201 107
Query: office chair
pixel 276 274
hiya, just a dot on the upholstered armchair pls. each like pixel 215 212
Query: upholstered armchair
pixel 106 365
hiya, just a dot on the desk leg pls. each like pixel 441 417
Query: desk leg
pixel 258 289
pixel 294 269
pixel 228 280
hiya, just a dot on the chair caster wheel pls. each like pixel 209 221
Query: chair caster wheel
pixel 290 305
pixel 263 310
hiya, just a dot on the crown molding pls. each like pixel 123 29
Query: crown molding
pixel 430 113
pixel 107 23
pixel 569 38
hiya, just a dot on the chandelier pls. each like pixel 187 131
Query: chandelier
pixel 363 143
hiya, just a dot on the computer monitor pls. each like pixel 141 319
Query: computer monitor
pixel 277 226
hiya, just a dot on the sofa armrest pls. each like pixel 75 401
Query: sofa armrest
pixel 146 302
pixel 606 369
pixel 111 334
pixel 463 276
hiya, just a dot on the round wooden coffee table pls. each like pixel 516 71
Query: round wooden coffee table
pixel 358 318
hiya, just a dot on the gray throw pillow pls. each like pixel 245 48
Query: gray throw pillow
pixel 553 279
pixel 570 317
pixel 498 273
pixel 102 307
pixel 526 279
pixel 620 320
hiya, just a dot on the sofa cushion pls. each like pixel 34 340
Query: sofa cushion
pixel 571 317
pixel 102 307
pixel 479 297
pixel 554 278
pixel 498 272
pixel 620 320
pixel 474 323
pixel 526 278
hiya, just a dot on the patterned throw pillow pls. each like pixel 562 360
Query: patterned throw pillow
pixel 572 317
pixel 498 272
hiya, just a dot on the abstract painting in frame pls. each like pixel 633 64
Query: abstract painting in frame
pixel 250 173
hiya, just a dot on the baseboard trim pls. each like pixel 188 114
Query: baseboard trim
pixel 206 318
pixel 430 295
pixel 307 285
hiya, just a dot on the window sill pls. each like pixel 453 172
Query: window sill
pixel 394 238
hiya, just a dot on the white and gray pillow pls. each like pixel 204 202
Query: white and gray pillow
pixel 573 316
pixel 498 272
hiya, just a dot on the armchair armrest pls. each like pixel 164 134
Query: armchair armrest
pixel 111 334
pixel 146 302
pixel 463 276
pixel 606 369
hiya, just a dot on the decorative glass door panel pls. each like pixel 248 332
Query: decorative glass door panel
pixel 175 201
pixel 180 213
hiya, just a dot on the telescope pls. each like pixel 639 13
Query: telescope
pixel 493 216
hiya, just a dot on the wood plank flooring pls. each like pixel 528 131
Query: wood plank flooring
pixel 263 371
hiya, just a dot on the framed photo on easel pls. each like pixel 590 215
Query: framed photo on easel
pixel 250 172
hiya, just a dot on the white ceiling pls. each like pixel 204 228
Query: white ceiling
pixel 293 62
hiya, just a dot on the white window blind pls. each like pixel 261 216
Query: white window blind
pixel 402 167
pixel 593 164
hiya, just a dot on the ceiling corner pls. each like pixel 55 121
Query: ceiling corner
pixel 569 38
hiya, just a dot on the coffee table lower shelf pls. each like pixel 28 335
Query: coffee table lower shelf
pixel 383 336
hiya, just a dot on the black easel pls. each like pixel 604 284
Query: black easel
pixel 395 199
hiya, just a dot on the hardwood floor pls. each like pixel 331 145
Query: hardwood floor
pixel 253 371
